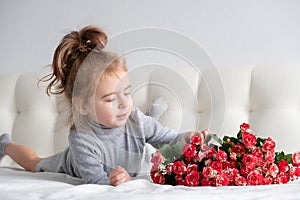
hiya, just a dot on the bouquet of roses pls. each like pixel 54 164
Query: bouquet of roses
pixel 243 160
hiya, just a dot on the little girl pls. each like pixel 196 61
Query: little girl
pixel 108 134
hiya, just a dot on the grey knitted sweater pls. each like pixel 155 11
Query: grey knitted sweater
pixel 93 154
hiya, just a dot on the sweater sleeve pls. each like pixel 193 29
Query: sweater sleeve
pixel 154 132
pixel 87 159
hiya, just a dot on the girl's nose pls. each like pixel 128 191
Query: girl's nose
pixel 122 101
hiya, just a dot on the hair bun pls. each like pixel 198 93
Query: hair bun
pixel 91 37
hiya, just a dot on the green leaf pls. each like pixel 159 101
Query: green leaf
pixel 239 135
pixel 171 153
pixel 216 138
pixel 279 156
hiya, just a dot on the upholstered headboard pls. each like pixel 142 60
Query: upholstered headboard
pixel 268 97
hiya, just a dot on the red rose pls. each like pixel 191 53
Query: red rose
pixel 169 169
pixel 191 168
pixel 244 171
pixel 267 180
pixel 249 139
pixel 157 158
pixel 208 182
pixel 231 174
pixel 154 169
pixel 258 153
pixel 179 180
pixel 249 160
pixel 209 172
pixel 293 174
pixel 189 150
pixel 269 144
pixel 283 166
pixel 296 159
pixel 297 171
pixel 254 178
pixel 221 156
pixel 158 178
pixel 240 181
pixel 179 167
pixel 217 165
pixel 222 180
pixel 244 127
pixel 282 178
pixel 196 140
pixel 210 152
pixel 238 149
pixel 192 179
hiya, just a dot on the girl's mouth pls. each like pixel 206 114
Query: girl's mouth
pixel 122 117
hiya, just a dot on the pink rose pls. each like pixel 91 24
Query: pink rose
pixel 199 156
pixel 296 159
pixel 254 178
pixel 154 169
pixel 157 158
pixel 283 166
pixel 196 140
pixel 221 156
pixel 232 156
pixel 273 170
pixel 158 178
pixel 244 127
pixel 249 139
pixel 222 180
pixel 192 179
pixel 269 144
pixel 269 156
pixel 189 150
pixel 179 167
pixel 249 160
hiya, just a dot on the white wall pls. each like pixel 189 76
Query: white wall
pixel 233 32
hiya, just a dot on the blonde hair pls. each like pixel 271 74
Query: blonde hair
pixel 79 62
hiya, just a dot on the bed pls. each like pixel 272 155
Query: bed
pixel 19 184
pixel 267 97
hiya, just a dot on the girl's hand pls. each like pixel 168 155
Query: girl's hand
pixel 204 135
pixel 118 176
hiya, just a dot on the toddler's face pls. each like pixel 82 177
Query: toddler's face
pixel 112 103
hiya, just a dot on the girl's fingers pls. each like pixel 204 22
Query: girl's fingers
pixel 118 176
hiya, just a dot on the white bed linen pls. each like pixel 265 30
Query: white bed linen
pixel 19 184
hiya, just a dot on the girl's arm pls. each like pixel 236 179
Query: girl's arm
pixel 86 160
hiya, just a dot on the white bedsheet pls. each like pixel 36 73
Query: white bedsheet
pixel 18 184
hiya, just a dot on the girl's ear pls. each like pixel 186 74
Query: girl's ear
pixel 80 106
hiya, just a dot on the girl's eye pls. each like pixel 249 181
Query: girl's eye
pixel 110 100
pixel 127 93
